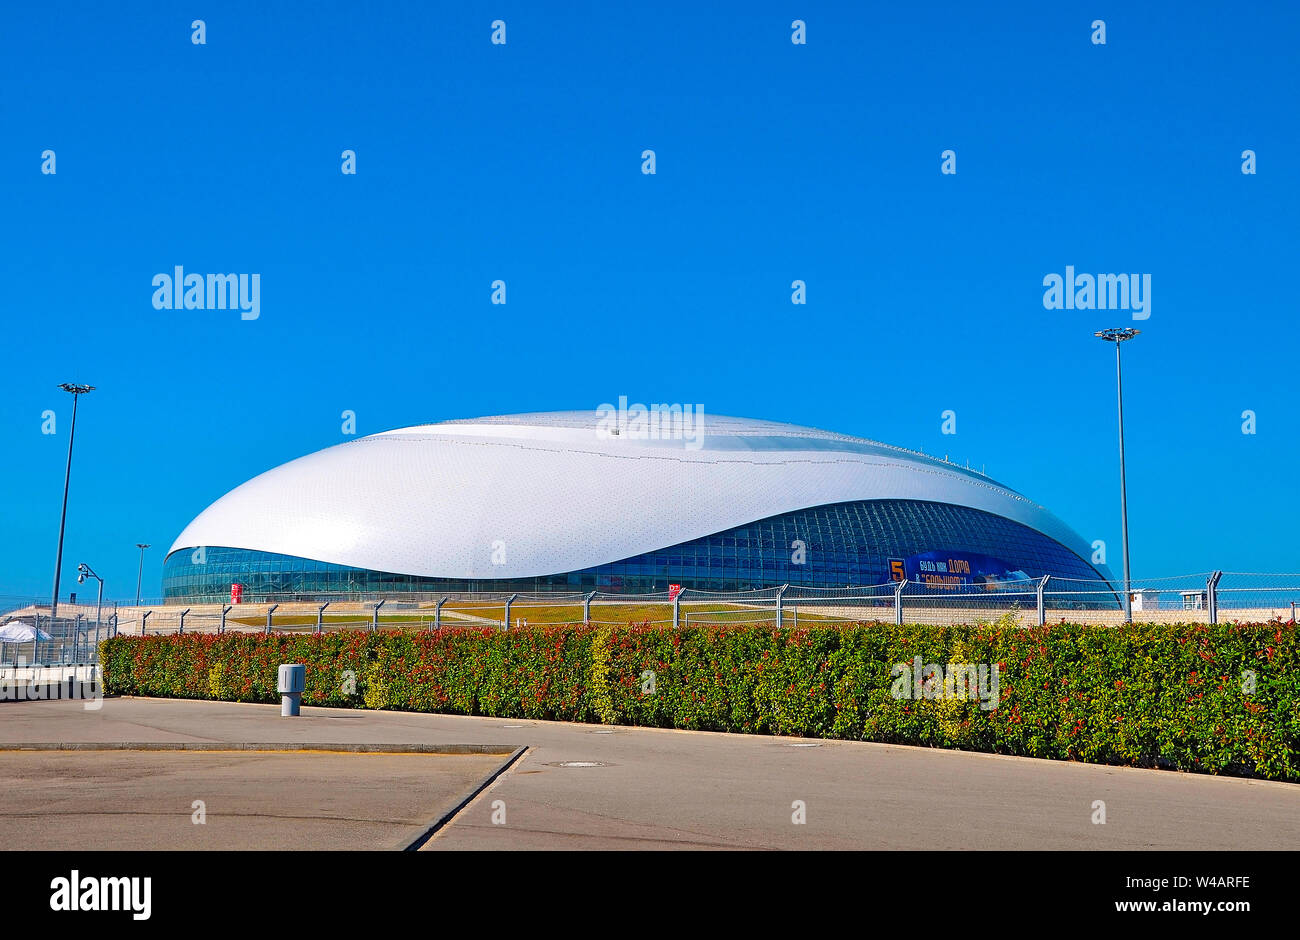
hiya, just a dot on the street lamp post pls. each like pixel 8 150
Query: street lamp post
pixel 77 391
pixel 1118 336
pixel 84 572
pixel 139 574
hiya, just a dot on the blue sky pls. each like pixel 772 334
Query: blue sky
pixel 775 162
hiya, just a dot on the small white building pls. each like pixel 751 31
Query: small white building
pixel 1143 599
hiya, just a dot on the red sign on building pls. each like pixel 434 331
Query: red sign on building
pixel 673 591
pixel 236 593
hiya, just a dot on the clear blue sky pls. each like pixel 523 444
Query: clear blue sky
pixel 775 162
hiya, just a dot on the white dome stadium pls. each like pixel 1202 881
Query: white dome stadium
pixel 512 499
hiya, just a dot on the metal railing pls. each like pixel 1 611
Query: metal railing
pixel 1201 598
pixel 1208 597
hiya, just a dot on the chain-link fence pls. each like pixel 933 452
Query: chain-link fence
pixel 33 638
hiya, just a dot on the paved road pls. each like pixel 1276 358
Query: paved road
pixel 229 800
pixel 676 789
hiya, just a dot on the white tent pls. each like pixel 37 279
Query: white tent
pixel 20 631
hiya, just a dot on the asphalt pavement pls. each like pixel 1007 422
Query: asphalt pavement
pixel 574 787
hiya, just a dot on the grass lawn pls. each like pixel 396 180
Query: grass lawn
pixel 623 614
pixel 536 614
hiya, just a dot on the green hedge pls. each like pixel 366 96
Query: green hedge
pixel 1215 699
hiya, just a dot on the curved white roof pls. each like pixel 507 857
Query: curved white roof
pixel 557 492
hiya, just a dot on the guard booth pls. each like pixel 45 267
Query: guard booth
pixel 1143 599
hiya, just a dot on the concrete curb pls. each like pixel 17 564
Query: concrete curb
pixel 502 749
pixel 433 828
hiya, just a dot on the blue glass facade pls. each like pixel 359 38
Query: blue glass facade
pixel 844 544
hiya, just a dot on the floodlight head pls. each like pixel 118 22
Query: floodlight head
pixel 1116 334
pixel 76 389
pixel 142 545
pixel 81 578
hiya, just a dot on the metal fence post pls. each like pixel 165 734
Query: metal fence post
pixel 586 607
pixel 898 600
pixel 1212 594
pixel 225 609
pixel 144 621
pixel 1042 611
pixel 509 600
pixel 183 613
pixel 374 623
pixel 437 613
pixel 677 607
pixel 779 593
pixel 112 622
pixel 76 635
pixel 320 616
pixel 269 611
